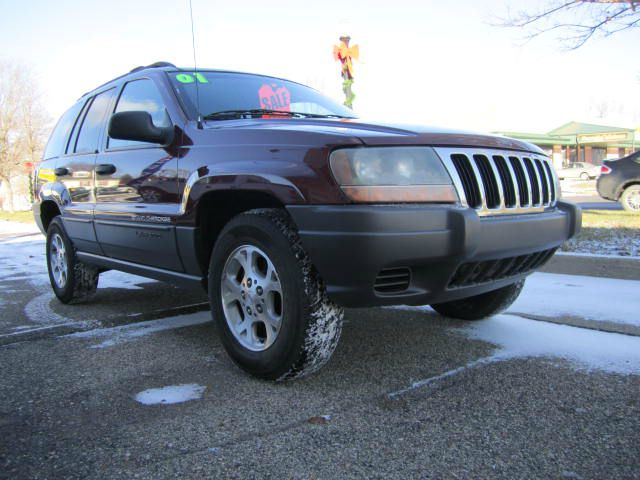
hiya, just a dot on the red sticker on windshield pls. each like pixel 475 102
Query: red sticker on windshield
pixel 273 97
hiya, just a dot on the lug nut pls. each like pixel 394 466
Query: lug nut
pixel 259 290
pixel 249 310
pixel 249 282
pixel 259 308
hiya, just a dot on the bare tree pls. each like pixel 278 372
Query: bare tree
pixel 600 108
pixel 577 21
pixel 23 124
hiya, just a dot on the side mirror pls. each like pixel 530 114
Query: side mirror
pixel 138 126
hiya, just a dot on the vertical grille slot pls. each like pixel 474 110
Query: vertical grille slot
pixel 489 181
pixel 533 178
pixel 507 181
pixel 523 190
pixel 552 181
pixel 531 261
pixel 463 274
pixel 517 265
pixel 544 181
pixel 474 273
pixel 468 179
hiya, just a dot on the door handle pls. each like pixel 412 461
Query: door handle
pixel 61 171
pixel 105 169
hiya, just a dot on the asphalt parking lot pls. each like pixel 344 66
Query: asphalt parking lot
pixel 408 394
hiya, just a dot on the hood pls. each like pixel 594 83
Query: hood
pixel 380 133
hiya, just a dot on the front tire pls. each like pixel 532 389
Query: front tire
pixel 481 306
pixel 269 303
pixel 584 176
pixel 72 281
pixel 630 199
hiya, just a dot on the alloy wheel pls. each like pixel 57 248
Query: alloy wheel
pixel 633 200
pixel 252 298
pixel 58 261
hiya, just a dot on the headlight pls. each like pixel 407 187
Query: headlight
pixel 392 174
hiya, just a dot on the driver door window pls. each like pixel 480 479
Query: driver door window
pixel 141 95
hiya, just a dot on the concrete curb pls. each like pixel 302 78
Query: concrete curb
pixel 607 266
pixel 573 321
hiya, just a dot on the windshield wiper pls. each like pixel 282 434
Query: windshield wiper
pixel 255 112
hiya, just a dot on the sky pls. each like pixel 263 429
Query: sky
pixel 421 61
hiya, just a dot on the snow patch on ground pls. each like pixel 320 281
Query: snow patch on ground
pixel 591 298
pixel 587 349
pixel 38 310
pixel 126 281
pixel 125 333
pixel 171 394
pixel 24 259
pixel 517 337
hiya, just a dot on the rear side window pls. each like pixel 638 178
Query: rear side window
pixel 141 95
pixel 58 139
pixel 93 123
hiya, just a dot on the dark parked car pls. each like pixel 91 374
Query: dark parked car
pixel 620 181
pixel 287 208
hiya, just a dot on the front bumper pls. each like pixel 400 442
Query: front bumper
pixel 351 244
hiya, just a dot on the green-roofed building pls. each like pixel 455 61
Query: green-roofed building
pixel 582 142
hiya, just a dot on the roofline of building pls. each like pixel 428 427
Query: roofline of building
pixel 601 128
pixel 573 139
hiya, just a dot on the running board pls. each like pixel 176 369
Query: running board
pixel 175 278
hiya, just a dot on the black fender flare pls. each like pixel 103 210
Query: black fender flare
pixel 201 182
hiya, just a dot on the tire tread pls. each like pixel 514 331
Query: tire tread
pixel 481 306
pixel 320 319
pixel 83 283
pixel 324 325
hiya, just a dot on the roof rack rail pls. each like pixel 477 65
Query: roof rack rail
pixel 153 65
pixel 137 69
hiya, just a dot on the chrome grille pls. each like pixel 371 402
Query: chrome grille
pixel 496 182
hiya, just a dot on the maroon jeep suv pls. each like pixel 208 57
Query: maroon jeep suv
pixel 287 208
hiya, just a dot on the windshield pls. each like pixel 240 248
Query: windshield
pixel 241 92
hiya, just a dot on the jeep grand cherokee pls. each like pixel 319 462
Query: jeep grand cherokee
pixel 287 208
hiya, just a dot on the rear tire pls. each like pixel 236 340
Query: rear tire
pixel 72 281
pixel 268 301
pixel 481 306
pixel 630 199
